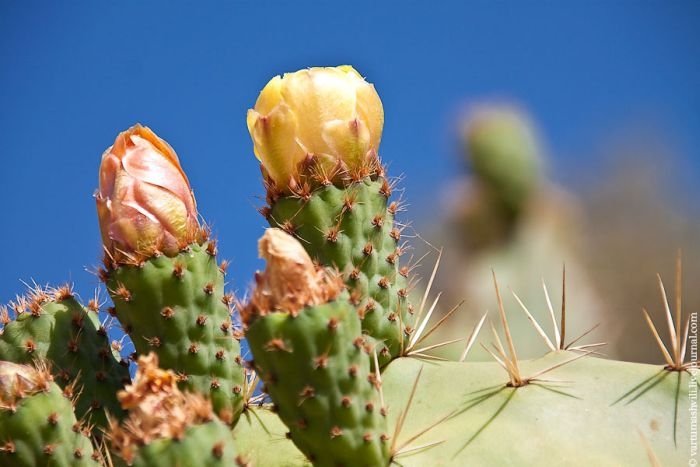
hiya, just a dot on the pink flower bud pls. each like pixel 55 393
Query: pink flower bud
pixel 144 203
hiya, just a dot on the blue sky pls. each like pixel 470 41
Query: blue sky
pixel 73 75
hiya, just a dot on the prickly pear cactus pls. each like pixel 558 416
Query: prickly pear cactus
pixel 330 190
pixel 37 422
pixel 166 427
pixel 52 325
pixel 308 349
pixel 329 326
pixel 162 273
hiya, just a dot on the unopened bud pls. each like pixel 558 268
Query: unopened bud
pixel 291 281
pixel 144 201
pixel 331 115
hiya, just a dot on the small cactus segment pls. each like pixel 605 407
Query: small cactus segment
pixel 37 422
pixel 176 308
pixel 308 348
pixel 166 427
pixel 161 271
pixel 52 325
pixel 317 133
pixel 504 154
pixel 352 228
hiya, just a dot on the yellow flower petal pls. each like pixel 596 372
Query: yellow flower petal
pixel 331 113
pixel 349 141
pixel 274 137
pixel 371 111
pixel 270 96
pixel 317 96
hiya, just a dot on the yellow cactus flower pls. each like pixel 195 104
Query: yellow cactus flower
pixel 330 114
pixel 144 202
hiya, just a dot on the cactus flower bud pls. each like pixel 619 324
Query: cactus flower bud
pixel 144 202
pixel 331 115
pixel 291 281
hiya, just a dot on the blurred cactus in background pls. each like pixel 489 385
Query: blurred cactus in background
pixel 505 215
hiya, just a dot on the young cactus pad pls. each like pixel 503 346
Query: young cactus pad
pixel 162 274
pixel 37 422
pixel 317 133
pixel 167 427
pixel 308 349
pixel 52 325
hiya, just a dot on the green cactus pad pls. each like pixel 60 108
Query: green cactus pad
pixel 176 308
pixel 206 445
pixel 317 372
pixel 353 229
pixel 257 430
pixel 588 412
pixel 41 429
pixel 71 338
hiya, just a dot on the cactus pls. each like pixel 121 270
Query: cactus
pixel 52 325
pixel 37 422
pixel 328 323
pixel 166 427
pixel 308 349
pixel 161 269
pixel 317 132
